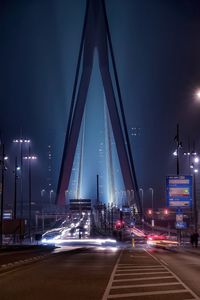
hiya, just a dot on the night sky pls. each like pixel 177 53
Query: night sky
pixel 157 51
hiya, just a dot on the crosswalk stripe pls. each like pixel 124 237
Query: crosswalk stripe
pixel 138 269
pixel 141 267
pixel 146 278
pixel 106 293
pixel 143 285
pixel 153 274
pixel 175 276
pixel 147 293
pixel 142 273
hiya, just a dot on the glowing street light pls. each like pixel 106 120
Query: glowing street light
pixel 197 95
pixel 33 157
pixel 21 141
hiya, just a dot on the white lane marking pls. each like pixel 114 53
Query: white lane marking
pixel 133 265
pixel 185 286
pixel 107 291
pixel 164 262
pixel 3 266
pixel 147 294
pixel 21 262
pixel 143 285
pixel 142 273
pixel 133 256
pixel 144 279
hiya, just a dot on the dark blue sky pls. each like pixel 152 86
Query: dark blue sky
pixel 156 46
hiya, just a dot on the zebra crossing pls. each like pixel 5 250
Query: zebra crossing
pixel 138 275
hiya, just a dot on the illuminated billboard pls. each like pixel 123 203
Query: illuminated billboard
pixel 179 191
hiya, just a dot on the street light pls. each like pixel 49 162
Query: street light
pixel 50 193
pixel 195 170
pixel 30 158
pixel 21 141
pixel 17 168
pixel 142 198
pixel 151 189
pixel 2 164
pixel 152 206
pixel 197 94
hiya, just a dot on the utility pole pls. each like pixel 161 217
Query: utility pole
pixel 195 203
pixel 97 189
pixel 30 193
pixel 2 192
pixel 15 196
pixel 97 202
pixel 112 207
pixel 178 146
pixel 15 192
pixel 21 181
pixel 195 171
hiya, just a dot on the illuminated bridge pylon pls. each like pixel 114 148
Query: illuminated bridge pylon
pixel 96 35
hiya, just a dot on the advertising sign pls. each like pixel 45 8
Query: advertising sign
pixel 179 191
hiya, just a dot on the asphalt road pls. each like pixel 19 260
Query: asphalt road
pixel 185 263
pixel 101 274
pixel 66 275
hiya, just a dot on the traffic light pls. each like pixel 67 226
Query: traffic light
pixel 166 212
pixel 150 211
pixel 119 224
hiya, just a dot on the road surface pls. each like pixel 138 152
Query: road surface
pixel 99 273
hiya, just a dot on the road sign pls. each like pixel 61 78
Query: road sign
pixel 80 204
pixel 179 218
pixel 126 209
pixel 179 191
pixel 181 225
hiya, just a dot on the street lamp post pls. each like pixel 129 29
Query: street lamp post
pixel 195 172
pixel 2 191
pixel 30 158
pixel 112 207
pixel 30 193
pixel 195 203
pixel 142 198
pixel 152 206
pixel 176 152
pixel 21 142
pixel 17 168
